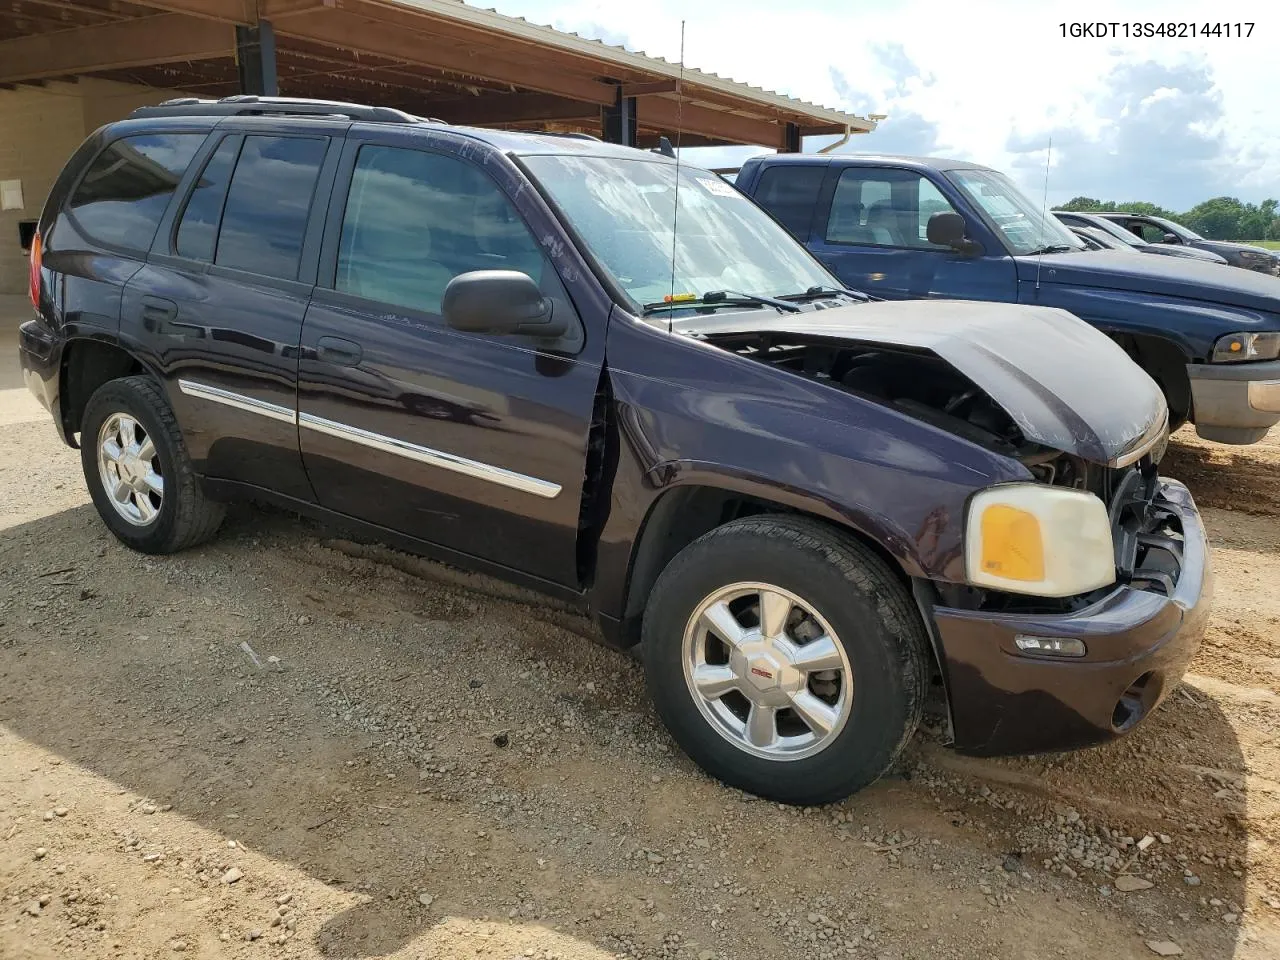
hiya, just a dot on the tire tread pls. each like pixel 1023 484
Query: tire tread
pixel 197 518
pixel 860 566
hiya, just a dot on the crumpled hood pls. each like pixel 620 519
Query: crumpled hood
pixel 1065 385
pixel 1164 276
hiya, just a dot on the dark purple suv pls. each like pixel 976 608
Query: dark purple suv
pixel 810 511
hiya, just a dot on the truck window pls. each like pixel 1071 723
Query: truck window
pixel 790 193
pixel 126 189
pixel 883 207
pixel 198 230
pixel 416 220
pixel 1149 232
pixel 265 215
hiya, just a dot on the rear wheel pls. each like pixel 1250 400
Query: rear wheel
pixel 138 472
pixel 785 658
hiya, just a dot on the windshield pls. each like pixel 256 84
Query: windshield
pixel 1177 229
pixel 1100 237
pixel 1115 230
pixel 623 211
pixel 1022 224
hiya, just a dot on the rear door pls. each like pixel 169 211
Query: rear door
pixel 473 442
pixel 790 192
pixel 871 232
pixel 220 303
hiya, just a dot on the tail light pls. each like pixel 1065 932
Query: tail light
pixel 34 287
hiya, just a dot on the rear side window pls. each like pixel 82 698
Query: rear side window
pixel 790 193
pixel 198 231
pixel 416 220
pixel 265 215
pixel 124 193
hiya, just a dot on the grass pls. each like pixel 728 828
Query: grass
pixel 1269 244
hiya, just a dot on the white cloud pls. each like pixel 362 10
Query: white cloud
pixel 992 80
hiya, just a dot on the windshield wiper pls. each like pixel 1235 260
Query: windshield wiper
pixel 1051 248
pixel 725 298
pixel 821 291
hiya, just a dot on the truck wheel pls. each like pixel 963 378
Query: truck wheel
pixel 785 659
pixel 138 471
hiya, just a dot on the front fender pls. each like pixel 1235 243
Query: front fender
pixel 687 414
pixel 1192 326
pixel 884 530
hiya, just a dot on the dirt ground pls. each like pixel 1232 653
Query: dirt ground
pixel 284 744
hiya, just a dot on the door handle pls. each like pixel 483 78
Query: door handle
pixel 335 350
pixel 160 316
pixel 156 310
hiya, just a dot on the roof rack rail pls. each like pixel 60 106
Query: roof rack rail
pixel 567 134
pixel 249 105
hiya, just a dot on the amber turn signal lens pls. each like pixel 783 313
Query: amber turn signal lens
pixel 1012 546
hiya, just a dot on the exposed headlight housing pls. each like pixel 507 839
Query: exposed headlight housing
pixel 1036 539
pixel 1235 347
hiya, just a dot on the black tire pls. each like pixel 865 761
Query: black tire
pixel 869 609
pixel 185 516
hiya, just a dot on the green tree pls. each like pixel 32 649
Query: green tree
pixel 1087 205
pixel 1220 218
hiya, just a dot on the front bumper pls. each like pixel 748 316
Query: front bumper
pixel 1235 403
pixel 1139 643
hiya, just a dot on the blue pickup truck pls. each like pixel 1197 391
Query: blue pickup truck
pixel 926 228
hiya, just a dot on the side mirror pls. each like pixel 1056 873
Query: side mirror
pixel 501 302
pixel 947 230
pixel 1169 238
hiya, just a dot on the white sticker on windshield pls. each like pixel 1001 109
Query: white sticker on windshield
pixel 719 187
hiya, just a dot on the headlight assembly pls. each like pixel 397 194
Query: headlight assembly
pixel 1235 347
pixel 1036 539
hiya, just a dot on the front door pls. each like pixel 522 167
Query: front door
pixel 875 240
pixel 475 443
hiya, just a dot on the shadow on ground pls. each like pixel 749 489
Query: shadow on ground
pixel 131 667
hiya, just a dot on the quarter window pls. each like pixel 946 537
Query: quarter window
pixel 127 188
pixel 268 202
pixel 416 220
pixel 883 207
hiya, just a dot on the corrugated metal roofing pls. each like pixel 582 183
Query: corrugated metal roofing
pixel 490 19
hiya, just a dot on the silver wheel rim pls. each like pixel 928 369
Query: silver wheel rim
pixel 129 468
pixel 767 671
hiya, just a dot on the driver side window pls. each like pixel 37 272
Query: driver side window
pixel 416 220
pixel 884 207
pixel 1149 232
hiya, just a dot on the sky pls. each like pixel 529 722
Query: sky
pixel 1170 121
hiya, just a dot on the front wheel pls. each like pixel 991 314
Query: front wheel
pixel 785 658
pixel 138 472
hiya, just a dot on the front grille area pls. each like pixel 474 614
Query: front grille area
pixel 1148 535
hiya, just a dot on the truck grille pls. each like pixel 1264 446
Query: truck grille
pixel 1148 535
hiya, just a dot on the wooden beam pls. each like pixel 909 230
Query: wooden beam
pixel 275 10
pixel 78 8
pixel 230 11
pixel 648 89
pixel 165 38
pixel 340 29
pixel 667 115
pixel 509 108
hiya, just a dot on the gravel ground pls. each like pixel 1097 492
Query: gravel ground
pixel 286 744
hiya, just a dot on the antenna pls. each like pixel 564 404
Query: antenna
pixel 1044 210
pixel 675 211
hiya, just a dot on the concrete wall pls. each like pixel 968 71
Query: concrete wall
pixel 40 127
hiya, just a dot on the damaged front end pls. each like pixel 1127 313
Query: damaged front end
pixel 1075 646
